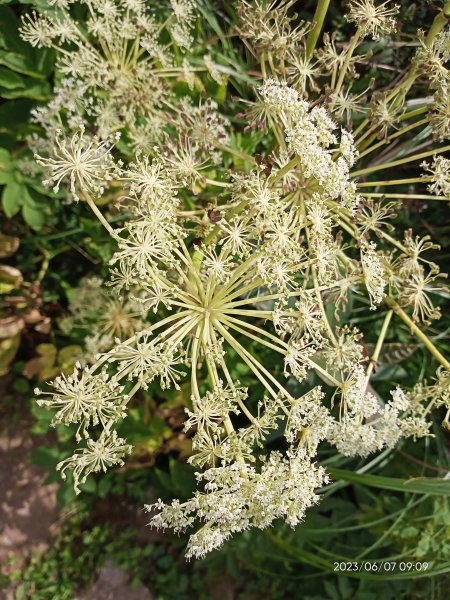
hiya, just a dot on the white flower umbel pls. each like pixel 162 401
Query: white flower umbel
pixel 102 317
pixel 373 19
pixel 107 451
pixel 374 276
pixel 238 261
pixel 439 174
pixel 250 273
pixel 83 162
pixel 237 496
pixel 118 64
pixel 84 398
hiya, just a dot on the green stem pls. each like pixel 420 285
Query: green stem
pixel 256 338
pixel 288 167
pixel 217 183
pixel 353 43
pixel 319 299
pixel 101 218
pixel 395 135
pixel 376 353
pixel 405 196
pixel 394 182
pixel 318 20
pixel 351 229
pixel 409 115
pixel 194 359
pixel 235 152
pixel 417 332
pixel 402 161
pixel 254 367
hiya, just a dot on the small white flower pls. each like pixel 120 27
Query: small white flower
pixel 374 276
pixel 108 451
pixel 83 161
pixel 373 20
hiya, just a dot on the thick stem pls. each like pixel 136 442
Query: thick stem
pixel 318 20
pixel 194 358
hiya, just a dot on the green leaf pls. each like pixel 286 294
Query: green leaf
pixel 10 80
pixel 6 171
pixel 104 486
pixel 15 113
pixel 183 478
pixel 12 198
pixel 5 158
pixel 164 479
pixel 34 216
pixel 6 177
pixel 418 485
pixel 46 456
pixel 9 25
pixel 65 494
pixel 4 580
pixel 89 486
pixel 42 415
pixel 36 90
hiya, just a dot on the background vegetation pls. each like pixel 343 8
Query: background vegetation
pixel 46 248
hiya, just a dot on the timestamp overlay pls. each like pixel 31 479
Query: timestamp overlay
pixel 381 566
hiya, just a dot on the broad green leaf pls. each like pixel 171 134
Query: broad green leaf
pixel 9 25
pixel 65 494
pixel 15 113
pixel 43 418
pixel 19 55
pixel 183 478
pixel 6 171
pixel 46 456
pixel 5 158
pixel 164 479
pixel 89 486
pixel 10 80
pixel 12 198
pixel 34 216
pixel 6 177
pixel 104 486
pixel 36 90
pixel 45 59
pixel 17 62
